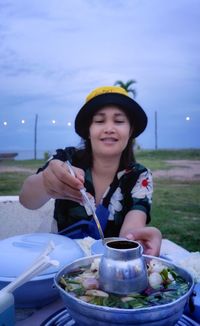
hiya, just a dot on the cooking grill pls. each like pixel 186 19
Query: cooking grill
pixel 63 318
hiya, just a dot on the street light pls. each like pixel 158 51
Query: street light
pixel 35 136
pixel 156 131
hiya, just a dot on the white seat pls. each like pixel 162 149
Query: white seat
pixel 16 219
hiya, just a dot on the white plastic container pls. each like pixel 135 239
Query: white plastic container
pixel 18 253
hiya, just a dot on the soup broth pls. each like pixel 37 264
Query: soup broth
pixel 165 286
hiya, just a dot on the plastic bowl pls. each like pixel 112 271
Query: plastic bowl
pixel 18 253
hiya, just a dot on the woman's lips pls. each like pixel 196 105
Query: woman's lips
pixel 109 140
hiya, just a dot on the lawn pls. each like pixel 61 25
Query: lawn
pixel 176 212
pixel 11 182
pixel 176 204
pixel 156 160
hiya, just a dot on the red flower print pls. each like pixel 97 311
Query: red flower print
pixel 143 187
pixel 145 182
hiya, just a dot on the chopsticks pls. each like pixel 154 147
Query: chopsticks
pixel 40 264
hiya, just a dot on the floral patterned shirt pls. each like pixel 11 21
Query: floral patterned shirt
pixel 130 190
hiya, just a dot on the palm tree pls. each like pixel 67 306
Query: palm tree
pixel 126 86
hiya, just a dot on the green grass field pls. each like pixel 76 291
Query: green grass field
pixel 176 212
pixel 176 204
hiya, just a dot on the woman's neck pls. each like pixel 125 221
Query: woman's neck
pixel 105 167
pixel 103 172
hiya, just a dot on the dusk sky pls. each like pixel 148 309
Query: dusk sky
pixel 53 53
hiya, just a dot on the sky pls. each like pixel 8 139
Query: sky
pixel 53 53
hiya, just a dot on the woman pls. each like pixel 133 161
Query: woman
pixel 120 188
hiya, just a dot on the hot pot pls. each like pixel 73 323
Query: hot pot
pixel 18 253
pixel 86 314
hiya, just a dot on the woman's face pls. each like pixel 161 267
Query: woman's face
pixel 109 131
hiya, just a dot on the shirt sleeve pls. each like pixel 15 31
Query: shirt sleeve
pixel 140 196
pixel 62 155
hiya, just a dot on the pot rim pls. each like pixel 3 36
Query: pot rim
pixel 138 245
pixel 123 310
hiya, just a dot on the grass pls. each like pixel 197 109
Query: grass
pixel 155 160
pixel 31 164
pixel 176 154
pixel 176 204
pixel 176 212
pixel 10 183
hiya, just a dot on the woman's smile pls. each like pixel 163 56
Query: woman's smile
pixel 108 140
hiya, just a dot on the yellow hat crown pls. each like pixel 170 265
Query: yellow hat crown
pixel 106 89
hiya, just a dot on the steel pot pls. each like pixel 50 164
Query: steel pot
pixel 122 268
pixel 86 314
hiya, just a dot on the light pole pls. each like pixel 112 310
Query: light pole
pixel 156 131
pixel 35 136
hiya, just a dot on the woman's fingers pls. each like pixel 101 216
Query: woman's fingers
pixel 62 173
pixel 146 233
pixel 57 195
pixel 149 237
pixel 59 183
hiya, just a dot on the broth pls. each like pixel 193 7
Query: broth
pixel 83 284
pixel 122 244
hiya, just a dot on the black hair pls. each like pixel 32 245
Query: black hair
pixel 85 154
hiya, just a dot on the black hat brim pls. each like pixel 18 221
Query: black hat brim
pixel 133 110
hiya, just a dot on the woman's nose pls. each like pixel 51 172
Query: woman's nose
pixel 109 128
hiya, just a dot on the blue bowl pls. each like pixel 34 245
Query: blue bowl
pixel 19 252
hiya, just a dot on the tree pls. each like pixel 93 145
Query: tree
pixel 127 85
pixel 127 88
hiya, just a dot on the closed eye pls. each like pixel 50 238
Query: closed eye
pixel 119 121
pixel 98 121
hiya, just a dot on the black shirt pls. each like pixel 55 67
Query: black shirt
pixel 130 189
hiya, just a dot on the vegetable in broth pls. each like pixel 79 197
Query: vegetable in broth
pixel 165 286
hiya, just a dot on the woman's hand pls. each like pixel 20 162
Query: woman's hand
pixel 59 183
pixel 149 237
pixel 53 182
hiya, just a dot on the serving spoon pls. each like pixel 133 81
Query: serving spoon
pixel 88 203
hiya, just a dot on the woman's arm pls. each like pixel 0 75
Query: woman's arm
pixel 134 228
pixel 33 194
pixel 53 182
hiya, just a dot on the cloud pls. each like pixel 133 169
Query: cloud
pixel 52 54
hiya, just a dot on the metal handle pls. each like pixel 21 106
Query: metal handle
pixel 87 200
